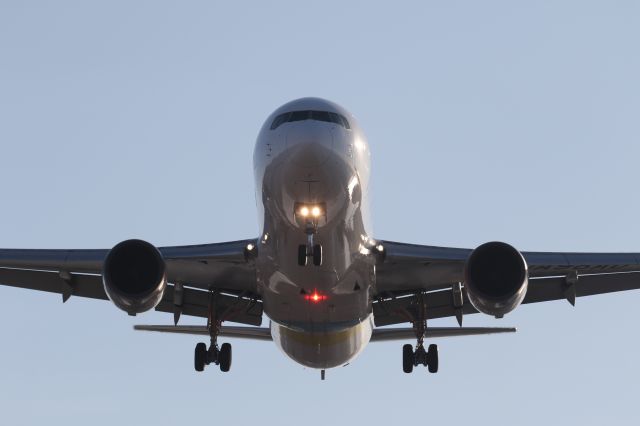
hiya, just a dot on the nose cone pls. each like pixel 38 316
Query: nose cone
pixel 309 144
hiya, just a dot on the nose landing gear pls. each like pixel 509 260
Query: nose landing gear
pixel 310 250
pixel 315 253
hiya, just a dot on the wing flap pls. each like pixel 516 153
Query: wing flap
pixel 555 288
pixel 70 284
pixel 195 303
pixel 437 304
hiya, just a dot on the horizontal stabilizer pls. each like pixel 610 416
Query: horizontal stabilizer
pixel 387 334
pixel 255 333
pixel 379 335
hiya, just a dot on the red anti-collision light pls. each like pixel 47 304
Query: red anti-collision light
pixel 315 297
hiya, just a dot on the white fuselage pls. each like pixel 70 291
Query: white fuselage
pixel 321 314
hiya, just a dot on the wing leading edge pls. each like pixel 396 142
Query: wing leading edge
pixel 206 266
pixel 412 266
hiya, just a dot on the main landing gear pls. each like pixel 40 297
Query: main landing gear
pixel 428 358
pixel 412 358
pixel 220 356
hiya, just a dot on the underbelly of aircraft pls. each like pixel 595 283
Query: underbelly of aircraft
pixel 323 349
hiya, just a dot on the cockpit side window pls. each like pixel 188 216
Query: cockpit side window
pixel 345 122
pixel 329 117
pixel 282 118
pixel 339 119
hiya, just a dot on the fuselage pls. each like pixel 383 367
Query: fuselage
pixel 312 167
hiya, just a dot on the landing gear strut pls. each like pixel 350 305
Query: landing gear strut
pixel 412 358
pixel 220 356
pixel 310 250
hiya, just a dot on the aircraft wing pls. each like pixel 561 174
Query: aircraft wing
pixel 410 268
pixel 221 267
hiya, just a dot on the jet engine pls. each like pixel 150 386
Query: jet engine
pixel 134 276
pixel 496 278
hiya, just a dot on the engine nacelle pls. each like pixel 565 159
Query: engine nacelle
pixel 134 276
pixel 496 278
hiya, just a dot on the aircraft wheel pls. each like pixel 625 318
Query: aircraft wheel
pixel 302 255
pixel 407 358
pixel 432 358
pixel 317 255
pixel 224 357
pixel 200 356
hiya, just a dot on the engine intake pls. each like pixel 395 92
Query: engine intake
pixel 496 278
pixel 134 276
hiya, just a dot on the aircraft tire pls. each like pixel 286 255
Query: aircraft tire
pixel 200 356
pixel 224 357
pixel 407 358
pixel 317 255
pixel 302 255
pixel 432 357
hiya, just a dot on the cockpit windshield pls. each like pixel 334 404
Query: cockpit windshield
pixel 329 117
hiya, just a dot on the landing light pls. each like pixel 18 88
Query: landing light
pixel 314 210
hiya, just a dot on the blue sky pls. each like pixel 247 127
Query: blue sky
pixel 494 120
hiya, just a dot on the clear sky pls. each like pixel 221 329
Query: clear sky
pixel 493 120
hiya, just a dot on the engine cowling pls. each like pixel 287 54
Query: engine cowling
pixel 496 278
pixel 134 276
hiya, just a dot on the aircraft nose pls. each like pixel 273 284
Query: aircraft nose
pixel 309 144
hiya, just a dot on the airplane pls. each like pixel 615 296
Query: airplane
pixel 315 270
